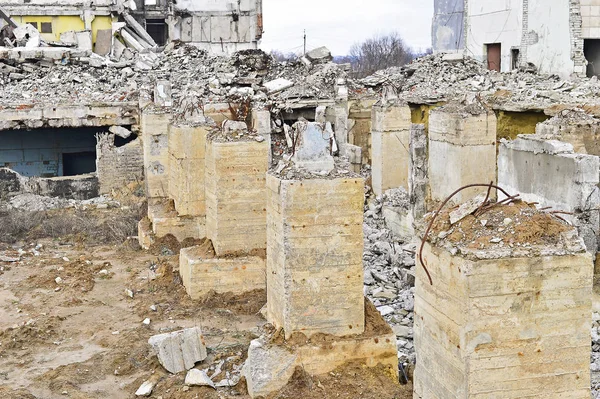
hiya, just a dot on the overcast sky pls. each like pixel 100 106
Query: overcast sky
pixel 338 24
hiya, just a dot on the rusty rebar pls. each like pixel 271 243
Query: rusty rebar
pixel 438 212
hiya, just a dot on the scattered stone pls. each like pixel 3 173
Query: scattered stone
pixel 198 378
pixel 466 209
pixel 145 389
pixel 146 321
pixel 180 350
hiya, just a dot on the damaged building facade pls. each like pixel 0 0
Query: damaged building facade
pixel 219 26
pixel 557 36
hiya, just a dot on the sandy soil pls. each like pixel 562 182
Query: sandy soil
pixel 81 335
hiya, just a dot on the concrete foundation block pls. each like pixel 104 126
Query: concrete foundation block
pixel 154 129
pixel 269 366
pixel 202 272
pixel 390 139
pixel 462 151
pixel 145 233
pixel 314 255
pixel 165 221
pixel 236 196
pixel 503 327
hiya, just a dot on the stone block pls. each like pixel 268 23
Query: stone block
pixel 145 233
pixel 236 195
pixel 390 160
pixel 179 350
pixel 391 118
pixel 202 272
pixel 503 327
pixel 314 255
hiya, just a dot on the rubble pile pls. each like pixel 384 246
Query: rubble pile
pixel 34 203
pixel 440 77
pixel 389 273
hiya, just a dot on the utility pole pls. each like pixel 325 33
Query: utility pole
pixel 304 41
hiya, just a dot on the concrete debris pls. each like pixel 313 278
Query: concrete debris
pixel 321 54
pixel 145 389
pixel 8 259
pixel 278 85
pixel 36 203
pixel 120 131
pixel 389 269
pixel 198 378
pixel 466 209
pixel 180 350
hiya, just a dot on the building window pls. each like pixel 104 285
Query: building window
pixel 46 27
pixel 157 29
pixel 34 24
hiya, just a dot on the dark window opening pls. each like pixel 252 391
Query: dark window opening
pixel 157 29
pixel 514 58
pixel 78 163
pixel 591 50
pixel 120 141
pixel 34 24
pixel 46 27
pixel 494 56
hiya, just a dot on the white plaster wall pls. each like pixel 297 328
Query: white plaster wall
pixel 549 37
pixel 216 5
pixel 499 21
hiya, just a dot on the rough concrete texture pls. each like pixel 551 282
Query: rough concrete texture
pixel 314 255
pixel 313 149
pixel 359 126
pixel 236 195
pixel 154 128
pixel 269 366
pixel 509 328
pixel 462 151
pixel 418 180
pixel 180 350
pixel 390 141
pixel 201 273
pixel 165 221
pixel 574 127
pixel 145 233
pixel 187 149
pixel 550 173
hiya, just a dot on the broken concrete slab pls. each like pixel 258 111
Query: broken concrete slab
pixel 268 368
pixel 277 85
pixel 104 39
pixel 163 93
pixel 145 389
pixel 180 350
pixel 120 131
pixel 313 148
pixel 319 54
pixel 466 209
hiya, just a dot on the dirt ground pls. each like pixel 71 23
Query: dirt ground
pixel 69 328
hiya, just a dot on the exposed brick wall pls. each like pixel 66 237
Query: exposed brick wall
pixel 118 166
pixel 575 21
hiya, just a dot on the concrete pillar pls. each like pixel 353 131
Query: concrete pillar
pixel 341 124
pixel 359 127
pixel 154 126
pixel 314 255
pixel 462 151
pixel 390 141
pixel 236 195
pixel 187 149
pixel 502 324
pixel 261 123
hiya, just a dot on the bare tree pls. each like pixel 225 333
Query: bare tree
pixel 281 57
pixel 378 53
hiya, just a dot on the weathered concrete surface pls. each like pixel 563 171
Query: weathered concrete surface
pixel 180 350
pixel 202 273
pixel 117 167
pixel 314 255
pixel 81 187
pixel 145 233
pixel 359 126
pixel 313 149
pixel 579 129
pixel 510 328
pixel 187 149
pixel 236 195
pixel 418 176
pixel 154 126
pixel 269 366
pixel 390 142
pixel 462 151
pixel 550 173
pixel 165 221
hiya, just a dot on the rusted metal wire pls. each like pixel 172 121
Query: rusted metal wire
pixel 491 206
pixel 490 186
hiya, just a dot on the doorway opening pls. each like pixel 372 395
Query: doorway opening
pixel 494 56
pixel 591 51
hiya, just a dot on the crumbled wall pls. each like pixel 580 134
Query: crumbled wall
pixel 118 166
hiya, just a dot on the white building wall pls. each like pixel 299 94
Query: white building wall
pixel 549 37
pixel 590 15
pixel 499 21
